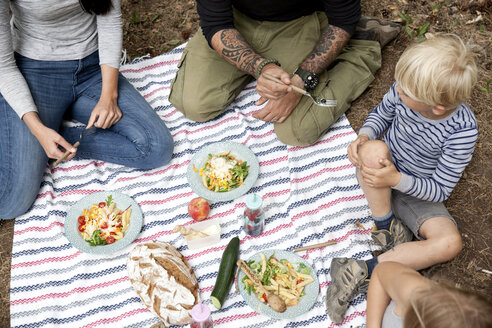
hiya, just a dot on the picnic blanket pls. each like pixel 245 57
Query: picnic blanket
pixel 310 195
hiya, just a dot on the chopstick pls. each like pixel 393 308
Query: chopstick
pixel 274 79
pixel 64 157
pixel 328 243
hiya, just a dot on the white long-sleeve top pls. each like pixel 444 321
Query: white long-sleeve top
pixel 430 154
pixel 52 30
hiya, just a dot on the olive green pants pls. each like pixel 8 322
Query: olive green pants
pixel 206 84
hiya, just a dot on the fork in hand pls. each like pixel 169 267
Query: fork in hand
pixel 318 101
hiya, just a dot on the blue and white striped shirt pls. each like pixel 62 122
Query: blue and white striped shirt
pixel 430 154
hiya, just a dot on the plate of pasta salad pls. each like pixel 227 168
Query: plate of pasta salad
pixel 103 222
pixel 285 274
pixel 223 171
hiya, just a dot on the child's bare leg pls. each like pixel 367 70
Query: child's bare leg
pixel 442 243
pixel 379 199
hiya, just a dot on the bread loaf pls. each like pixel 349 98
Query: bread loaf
pixel 165 282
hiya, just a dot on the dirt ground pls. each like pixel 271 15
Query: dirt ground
pixel 152 27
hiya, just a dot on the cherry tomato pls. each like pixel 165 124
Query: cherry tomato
pixel 102 204
pixel 81 228
pixel 104 225
pixel 81 219
pixel 110 240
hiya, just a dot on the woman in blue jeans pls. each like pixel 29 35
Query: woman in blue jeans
pixel 63 56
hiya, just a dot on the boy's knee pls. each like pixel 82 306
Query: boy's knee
pixel 448 247
pixel 370 152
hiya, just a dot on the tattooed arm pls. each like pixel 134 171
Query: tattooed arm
pixel 232 46
pixel 330 44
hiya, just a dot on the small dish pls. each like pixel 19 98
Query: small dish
pixel 122 201
pixel 213 238
pixel 240 151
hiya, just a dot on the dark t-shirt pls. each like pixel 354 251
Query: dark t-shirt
pixel 216 15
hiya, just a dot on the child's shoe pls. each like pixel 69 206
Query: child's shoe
pixel 376 30
pixel 397 234
pixel 348 278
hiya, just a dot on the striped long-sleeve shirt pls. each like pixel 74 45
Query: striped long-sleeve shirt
pixel 430 154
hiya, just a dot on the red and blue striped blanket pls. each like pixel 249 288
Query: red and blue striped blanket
pixel 310 195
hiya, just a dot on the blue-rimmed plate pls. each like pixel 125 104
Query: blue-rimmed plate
pixel 241 152
pixel 122 202
pixel 305 303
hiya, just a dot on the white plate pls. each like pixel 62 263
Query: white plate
pixel 122 202
pixel 241 152
pixel 306 302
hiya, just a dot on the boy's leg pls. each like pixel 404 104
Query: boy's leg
pixel 439 238
pixel 389 231
pixel 441 243
pixel 350 276
pixel 205 83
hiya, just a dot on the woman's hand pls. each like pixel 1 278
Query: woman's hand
pixel 105 114
pixel 49 139
pixel 353 149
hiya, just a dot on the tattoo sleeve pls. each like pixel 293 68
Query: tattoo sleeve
pixel 232 46
pixel 330 44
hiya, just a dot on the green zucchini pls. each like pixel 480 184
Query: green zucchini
pixel 226 273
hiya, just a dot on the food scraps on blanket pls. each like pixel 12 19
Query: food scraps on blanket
pixel 278 277
pixel 200 234
pixel 103 223
pixel 164 281
pixel 192 234
pixel 223 172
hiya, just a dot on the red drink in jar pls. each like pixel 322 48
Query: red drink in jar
pixel 254 217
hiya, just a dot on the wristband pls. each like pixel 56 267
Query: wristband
pixel 264 63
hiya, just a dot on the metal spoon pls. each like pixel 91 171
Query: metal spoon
pixel 84 133
pixel 317 100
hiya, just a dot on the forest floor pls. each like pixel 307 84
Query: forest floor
pixel 152 27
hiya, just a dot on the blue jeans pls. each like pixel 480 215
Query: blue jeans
pixel 140 139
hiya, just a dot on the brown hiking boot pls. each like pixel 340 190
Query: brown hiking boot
pixel 376 30
pixel 397 234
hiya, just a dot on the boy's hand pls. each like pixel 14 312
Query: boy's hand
pixel 387 176
pixel 353 149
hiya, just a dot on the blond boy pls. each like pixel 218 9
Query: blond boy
pixel 429 140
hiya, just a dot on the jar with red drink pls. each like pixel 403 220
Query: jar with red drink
pixel 254 217
pixel 200 316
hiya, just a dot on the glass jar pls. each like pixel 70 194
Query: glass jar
pixel 254 217
pixel 200 316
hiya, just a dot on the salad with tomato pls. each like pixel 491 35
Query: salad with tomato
pixel 103 223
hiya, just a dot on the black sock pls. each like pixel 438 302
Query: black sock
pixel 383 222
pixel 371 264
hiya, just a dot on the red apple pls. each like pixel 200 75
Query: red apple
pixel 198 209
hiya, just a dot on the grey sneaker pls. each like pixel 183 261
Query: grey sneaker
pixel 348 278
pixel 377 30
pixel 397 234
